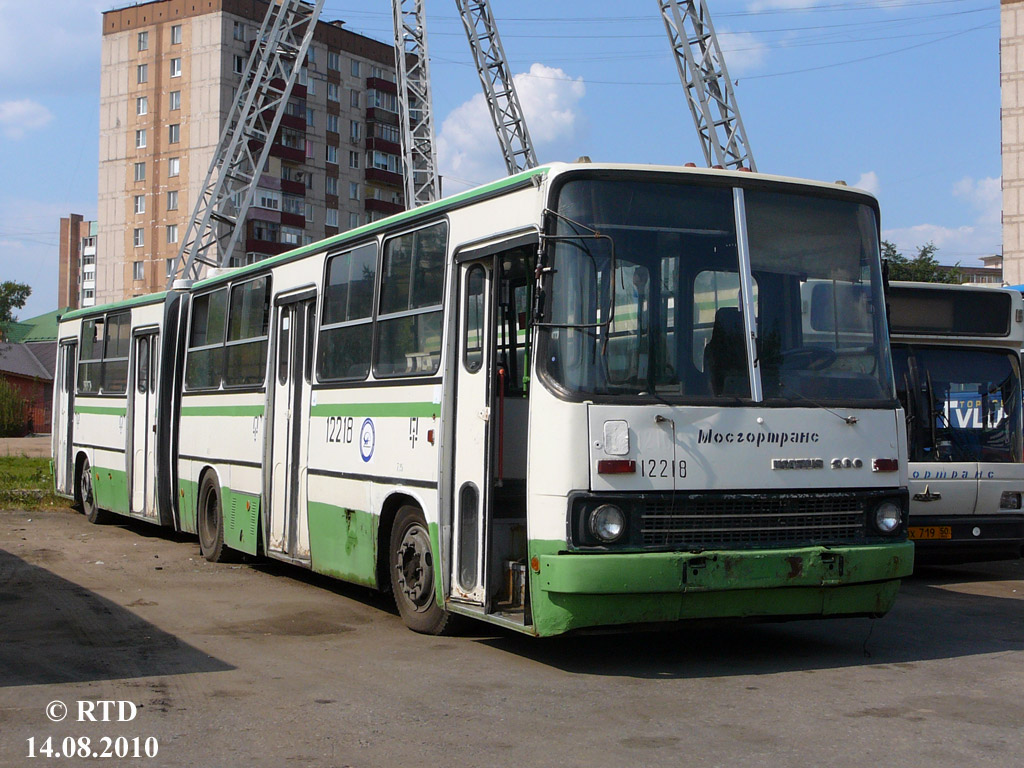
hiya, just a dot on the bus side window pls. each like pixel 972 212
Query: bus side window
pixel 412 284
pixel 473 342
pixel 142 366
pixel 283 346
pixel 307 361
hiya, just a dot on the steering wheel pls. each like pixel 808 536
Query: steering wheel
pixel 808 358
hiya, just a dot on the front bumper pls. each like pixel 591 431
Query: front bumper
pixel 973 538
pixel 571 591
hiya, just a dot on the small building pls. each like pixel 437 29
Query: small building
pixel 27 362
pixel 28 368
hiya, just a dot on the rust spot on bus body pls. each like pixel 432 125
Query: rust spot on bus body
pixel 796 567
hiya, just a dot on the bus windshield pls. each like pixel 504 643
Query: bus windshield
pixel 645 297
pixel 961 404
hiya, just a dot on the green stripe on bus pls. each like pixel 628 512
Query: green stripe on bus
pixel 374 228
pixel 222 410
pixel 408 410
pixel 101 410
pixel 136 301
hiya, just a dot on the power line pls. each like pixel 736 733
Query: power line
pixel 755 77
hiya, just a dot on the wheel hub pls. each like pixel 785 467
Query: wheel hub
pixel 414 569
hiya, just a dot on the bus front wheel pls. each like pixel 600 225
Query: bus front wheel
pixel 211 521
pixel 413 573
pixel 87 496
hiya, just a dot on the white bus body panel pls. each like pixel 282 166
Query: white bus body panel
pixel 702 448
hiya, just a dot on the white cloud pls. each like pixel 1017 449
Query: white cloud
pixel 869 183
pixel 968 242
pixel 467 147
pixel 964 244
pixel 986 195
pixel 742 52
pixel 17 117
pixel 51 46
pixel 763 5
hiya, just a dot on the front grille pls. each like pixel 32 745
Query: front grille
pixel 710 522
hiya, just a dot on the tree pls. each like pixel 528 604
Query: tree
pixel 922 268
pixel 12 296
pixel 12 411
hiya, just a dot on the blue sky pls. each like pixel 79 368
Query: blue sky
pixel 901 98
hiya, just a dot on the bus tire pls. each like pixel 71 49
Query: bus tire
pixel 210 521
pixel 411 560
pixel 87 497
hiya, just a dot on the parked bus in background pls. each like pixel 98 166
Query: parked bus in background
pixel 956 354
pixel 580 396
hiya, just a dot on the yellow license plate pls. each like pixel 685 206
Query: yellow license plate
pixel 918 532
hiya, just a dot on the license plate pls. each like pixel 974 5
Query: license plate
pixel 919 532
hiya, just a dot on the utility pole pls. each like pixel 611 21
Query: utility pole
pixel 709 92
pixel 499 89
pixel 249 130
pixel 415 107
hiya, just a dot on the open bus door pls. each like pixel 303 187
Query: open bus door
pixel 490 429
pixel 473 418
pixel 64 418
pixel 143 408
pixel 288 525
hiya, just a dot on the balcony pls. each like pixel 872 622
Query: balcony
pixel 382 85
pixel 292 121
pixel 293 187
pixel 288 153
pixel 384 177
pixel 378 115
pixel 383 145
pixel 293 220
pixel 383 206
pixel 264 246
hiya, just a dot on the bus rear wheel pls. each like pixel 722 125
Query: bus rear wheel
pixel 211 521
pixel 412 574
pixel 87 497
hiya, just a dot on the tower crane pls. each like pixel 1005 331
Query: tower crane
pixel 705 79
pixel 267 82
pixel 415 105
pixel 415 108
pixel 499 88
pixel 249 129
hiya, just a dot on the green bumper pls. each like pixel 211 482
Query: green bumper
pixel 571 591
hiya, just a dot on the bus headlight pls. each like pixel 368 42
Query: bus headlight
pixel 607 523
pixel 1009 500
pixel 888 516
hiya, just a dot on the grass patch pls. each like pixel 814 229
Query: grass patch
pixel 27 483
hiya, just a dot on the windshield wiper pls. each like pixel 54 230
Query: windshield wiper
pixel 850 419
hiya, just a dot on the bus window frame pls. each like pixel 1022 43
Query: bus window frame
pixel 265 338
pixel 380 317
pixel 371 320
pixel 103 359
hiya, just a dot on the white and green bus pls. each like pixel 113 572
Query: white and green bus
pixel 956 354
pixel 577 397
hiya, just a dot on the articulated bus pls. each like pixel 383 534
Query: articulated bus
pixel 956 354
pixel 577 397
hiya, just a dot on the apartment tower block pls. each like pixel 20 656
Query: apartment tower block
pixel 1011 77
pixel 76 281
pixel 170 70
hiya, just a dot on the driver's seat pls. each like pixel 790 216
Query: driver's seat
pixel 725 358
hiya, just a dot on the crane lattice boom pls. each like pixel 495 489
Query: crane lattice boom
pixel 709 92
pixel 273 67
pixel 499 88
pixel 415 108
